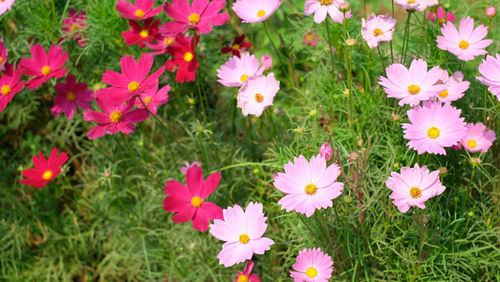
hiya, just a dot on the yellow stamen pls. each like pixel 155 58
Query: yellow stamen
pixel 168 41
pixel 188 57
pixel 144 33
pixel 261 13
pixel 411 2
pixel 413 89
pixel 6 90
pixel 139 13
pixel 311 189
pixel 74 27
pixel 134 86
pixel 243 78
pixel 472 143
pixel 463 44
pixel 433 132
pixel 47 175
pixel 377 32
pixel 236 47
pixel 244 239
pixel 196 201
pixel 46 70
pixel 242 278
pixel 70 96
pixel 311 272
pixel 194 18
pixel 147 100
pixel 116 116
pixel 441 21
pixel 259 98
pixel 1 60
pixel 415 192
pixel 443 94
pixel 325 2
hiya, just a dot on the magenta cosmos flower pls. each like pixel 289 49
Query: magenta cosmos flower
pixel 45 170
pixel 5 5
pixel 441 15
pixel 160 44
pixel 434 126
pixel 377 29
pixel 477 138
pixel 74 26
pixel 254 11
pixel 189 202
pixel 466 42
pixel 490 71
pixel 9 85
pixel 257 94
pixel 245 275
pixel 154 98
pixel 70 95
pixel 43 66
pixel 141 33
pixel 236 71
pixel 308 185
pixel 242 231
pixel 310 39
pixel 322 8
pixel 114 119
pixel 411 85
pixel 455 87
pixel 312 265
pixel 3 55
pixel 201 15
pixel 143 9
pixel 413 187
pixel 133 80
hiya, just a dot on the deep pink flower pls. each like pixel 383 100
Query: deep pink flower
pixel 154 98
pixel 185 168
pixel 45 170
pixel 114 119
pixel 133 80
pixel 43 66
pixel 312 265
pixel 245 275
pixel 3 55
pixel 70 95
pixel 490 71
pixel 237 46
pixel 160 44
pixel 184 60
pixel 9 85
pixel 326 151
pixel 141 34
pixel 143 9
pixel 466 42
pixel 74 26
pixel 442 16
pixel 189 201
pixel 478 138
pixel 490 11
pixel 310 39
pixel 455 86
pixel 201 15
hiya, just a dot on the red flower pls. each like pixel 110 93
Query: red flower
pixel 237 46
pixel 43 66
pixel 44 170
pixel 189 202
pixel 184 60
pixel 141 34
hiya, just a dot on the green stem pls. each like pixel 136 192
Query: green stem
pixel 241 165
pixel 381 58
pixel 202 149
pixel 272 44
pixel 330 43
pixel 393 8
pixel 406 37
pixel 392 53
pixel 468 189
pixel 324 229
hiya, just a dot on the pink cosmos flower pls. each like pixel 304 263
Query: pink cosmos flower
pixel 413 187
pixel 114 119
pixel 418 5
pixel 377 29
pixel 267 62
pixel 242 231
pixel 411 85
pixel 143 9
pixel 466 42
pixel 5 5
pixel 201 15
pixel 141 34
pixel 308 185
pixel 254 11
pixel 312 265
pixel 320 8
pixel 133 80
pixel 3 55
pixel 185 168
pixel 326 151
pixel 434 126
pixel 9 85
pixel 455 87
pixel 442 16
pixel 184 60
pixel 70 95
pixel 189 202
pixel 154 98
pixel 236 71
pixel 161 43
pixel 45 170
pixel 245 275
pixel 310 39
pixel 43 66
pixel 490 70
pixel 73 27
pixel 257 94
pixel 477 138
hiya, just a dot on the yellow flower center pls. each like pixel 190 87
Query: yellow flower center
pixel 261 13
pixel 74 27
pixel 311 189
pixel 168 41
pixel 188 57
pixel 259 98
pixel 463 44
pixel 441 21
pixel 47 175
pixel 433 132
pixel 243 78
pixel 46 70
pixel 70 96
pixel 413 89
pixel 311 272
pixel 144 33
pixel 236 47
pixel 242 278
pixel 377 32
pixel 309 37
pixel 147 100
pixel 415 192
pixel 244 239
pixel 194 18
pixel 134 86
pixel 1 60
pixel 325 2
pixel 443 94
pixel 139 13
pixel 196 201
pixel 411 2
pixel 116 116
pixel 472 143
pixel 6 90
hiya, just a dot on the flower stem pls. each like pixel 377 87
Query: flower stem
pixel 406 37
pixel 330 43
pixel 381 58
pixel 272 43
pixel 241 165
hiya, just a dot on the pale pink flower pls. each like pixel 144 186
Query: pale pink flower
pixel 5 5
pixel 455 87
pixel 418 5
pixel 242 231
pixel 413 187
pixel 490 70
pixel 257 94
pixel 433 127
pixel 411 85
pixel 185 168
pixel 237 70
pixel 466 42
pixel 377 29
pixel 477 138
pixel 254 11
pixel 322 8
pixel 326 151
pixel 308 185
pixel 312 266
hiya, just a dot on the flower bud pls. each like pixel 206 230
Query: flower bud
pixel 266 61
pixel 326 151
pixel 344 7
pixel 490 12
pixel 350 42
